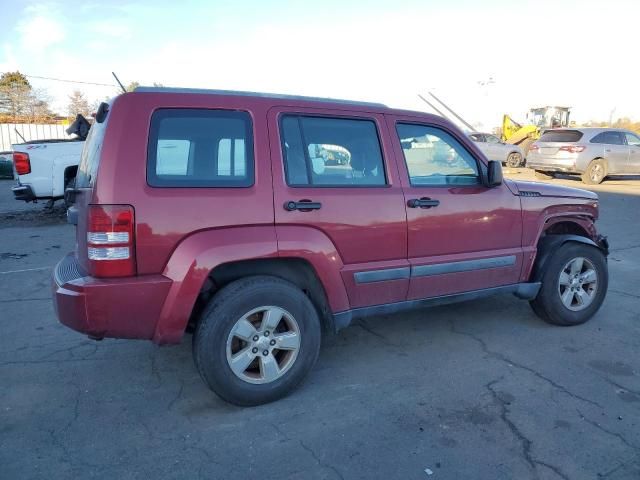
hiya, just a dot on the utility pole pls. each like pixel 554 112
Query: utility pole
pixel 611 116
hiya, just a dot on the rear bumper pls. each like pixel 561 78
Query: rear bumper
pixel 99 307
pixel 23 192
pixel 550 164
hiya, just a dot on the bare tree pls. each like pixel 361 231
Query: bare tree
pixel 78 104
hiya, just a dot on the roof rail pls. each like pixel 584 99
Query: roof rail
pixel 204 91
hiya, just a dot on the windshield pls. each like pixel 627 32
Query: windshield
pixel 90 157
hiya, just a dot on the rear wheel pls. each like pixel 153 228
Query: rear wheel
pixel 543 175
pixel 514 160
pixel 256 340
pixel 595 172
pixel 574 285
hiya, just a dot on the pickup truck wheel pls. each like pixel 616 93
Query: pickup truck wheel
pixel 574 285
pixel 543 175
pixel 256 340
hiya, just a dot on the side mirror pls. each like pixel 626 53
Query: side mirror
pixel 494 174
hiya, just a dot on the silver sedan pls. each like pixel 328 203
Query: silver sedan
pixel 593 153
pixel 496 149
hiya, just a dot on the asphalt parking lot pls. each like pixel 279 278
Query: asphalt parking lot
pixel 480 390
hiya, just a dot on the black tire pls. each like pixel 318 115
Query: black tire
pixel 548 303
pixel 228 306
pixel 514 160
pixel 543 175
pixel 67 183
pixel 595 172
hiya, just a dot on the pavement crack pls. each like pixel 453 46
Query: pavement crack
pixel 177 397
pixel 504 411
pixel 525 442
pixel 362 323
pixel 154 367
pixel 620 386
pixel 320 462
pixel 626 294
pixel 280 432
pixel 509 361
pixel 15 300
pixel 608 432
pixel 554 469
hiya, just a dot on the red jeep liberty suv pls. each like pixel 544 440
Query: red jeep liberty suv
pixel 259 221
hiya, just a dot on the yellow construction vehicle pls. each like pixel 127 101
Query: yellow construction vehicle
pixel 538 120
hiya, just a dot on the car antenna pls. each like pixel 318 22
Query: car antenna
pixel 124 90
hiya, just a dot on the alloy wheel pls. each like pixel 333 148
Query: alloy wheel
pixel 263 345
pixel 578 284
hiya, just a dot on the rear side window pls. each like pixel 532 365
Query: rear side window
pixel 331 152
pixel 200 148
pixel 567 136
pixel 610 138
pixel 90 158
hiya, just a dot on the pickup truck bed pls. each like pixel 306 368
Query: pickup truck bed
pixel 51 164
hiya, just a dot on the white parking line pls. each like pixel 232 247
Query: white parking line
pixel 26 270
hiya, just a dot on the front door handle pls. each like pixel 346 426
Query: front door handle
pixel 423 202
pixel 302 205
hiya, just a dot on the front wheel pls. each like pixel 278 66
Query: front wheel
pixel 574 285
pixel 256 340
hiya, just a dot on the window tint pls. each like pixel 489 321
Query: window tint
pixel 331 152
pixel 492 139
pixel 90 157
pixel 633 139
pixel 561 136
pixel 610 138
pixel 200 148
pixel 434 157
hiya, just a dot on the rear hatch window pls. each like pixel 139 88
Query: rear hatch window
pixel 563 136
pixel 90 157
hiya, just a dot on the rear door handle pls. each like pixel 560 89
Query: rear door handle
pixel 302 205
pixel 423 202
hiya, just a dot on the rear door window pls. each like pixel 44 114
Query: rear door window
pixel 331 152
pixel 568 136
pixel 609 138
pixel 90 157
pixel 200 148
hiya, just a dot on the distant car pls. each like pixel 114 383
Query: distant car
pixel 496 149
pixel 6 165
pixel 592 153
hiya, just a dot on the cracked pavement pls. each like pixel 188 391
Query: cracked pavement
pixel 479 390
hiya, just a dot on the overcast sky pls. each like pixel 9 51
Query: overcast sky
pixel 484 58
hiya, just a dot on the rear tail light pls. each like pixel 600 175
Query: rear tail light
pixel 110 242
pixel 22 163
pixel 572 148
pixel 534 148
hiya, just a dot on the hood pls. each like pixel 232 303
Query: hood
pixel 535 189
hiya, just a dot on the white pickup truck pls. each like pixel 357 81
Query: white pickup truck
pixel 44 168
